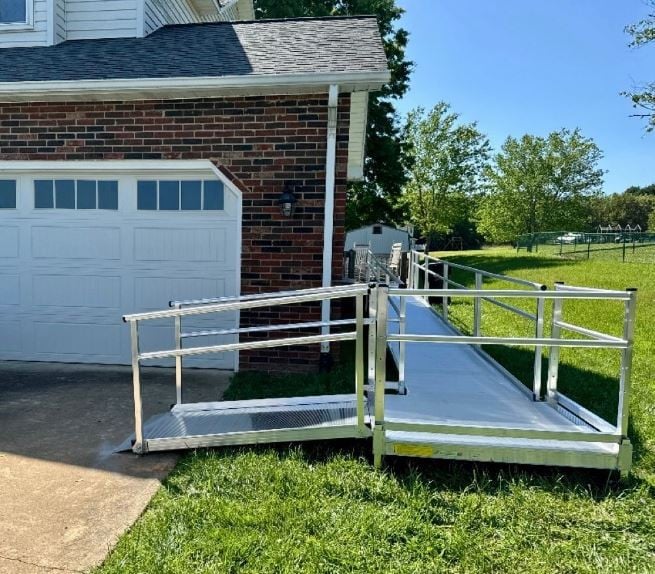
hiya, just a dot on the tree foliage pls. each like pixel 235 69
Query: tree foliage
pixel 447 162
pixel 643 97
pixel 376 198
pixel 637 190
pixel 540 184
pixel 622 209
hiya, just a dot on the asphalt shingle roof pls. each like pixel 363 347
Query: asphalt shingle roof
pixel 264 47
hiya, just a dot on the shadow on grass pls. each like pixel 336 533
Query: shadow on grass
pixel 596 392
pixel 504 265
pixel 457 477
pixel 341 380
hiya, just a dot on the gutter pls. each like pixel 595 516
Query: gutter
pixel 328 226
pixel 186 87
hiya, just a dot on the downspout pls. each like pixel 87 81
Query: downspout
pixel 328 227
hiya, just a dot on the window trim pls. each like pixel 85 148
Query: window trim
pixel 29 20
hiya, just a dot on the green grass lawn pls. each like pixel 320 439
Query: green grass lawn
pixel 323 508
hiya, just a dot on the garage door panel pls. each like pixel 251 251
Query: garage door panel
pixel 184 245
pixel 77 291
pixel 10 291
pixel 11 338
pixel 65 338
pixel 153 293
pixel 97 243
pixel 68 275
pixel 9 242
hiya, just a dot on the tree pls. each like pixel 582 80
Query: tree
pixel 540 184
pixel 643 97
pixel 447 161
pixel 646 190
pixel 376 198
pixel 622 209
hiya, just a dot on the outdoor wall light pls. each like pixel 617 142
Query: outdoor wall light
pixel 287 201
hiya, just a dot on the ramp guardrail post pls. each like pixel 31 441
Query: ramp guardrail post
pixel 402 345
pixel 372 328
pixel 178 359
pixel 626 363
pixel 426 274
pixel 410 270
pixel 359 361
pixel 538 350
pixel 136 381
pixel 446 284
pixel 477 306
pixel 553 353
pixel 380 373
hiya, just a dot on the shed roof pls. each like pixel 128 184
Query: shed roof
pixel 291 47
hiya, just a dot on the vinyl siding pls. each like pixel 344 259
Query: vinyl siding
pixel 37 36
pixel 159 13
pixel 101 19
pixel 60 21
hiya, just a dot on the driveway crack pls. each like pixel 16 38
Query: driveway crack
pixel 44 566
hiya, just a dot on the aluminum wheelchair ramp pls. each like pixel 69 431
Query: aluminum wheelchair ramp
pixel 221 423
pixel 195 425
pixel 456 402
pixel 458 385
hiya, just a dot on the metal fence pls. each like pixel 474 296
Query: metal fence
pixel 636 246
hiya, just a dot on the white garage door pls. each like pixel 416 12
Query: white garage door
pixel 80 249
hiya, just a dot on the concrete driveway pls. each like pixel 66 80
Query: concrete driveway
pixel 65 496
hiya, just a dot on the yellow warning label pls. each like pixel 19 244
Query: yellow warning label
pixel 425 450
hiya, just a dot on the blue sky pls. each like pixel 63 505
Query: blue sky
pixel 534 66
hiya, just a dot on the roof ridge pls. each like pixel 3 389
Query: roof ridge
pixel 271 20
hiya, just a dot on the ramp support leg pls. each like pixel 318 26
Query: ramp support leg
pixel 378 445
pixel 136 381
pixel 625 458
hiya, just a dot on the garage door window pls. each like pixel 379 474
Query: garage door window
pixel 174 195
pixel 75 194
pixel 7 194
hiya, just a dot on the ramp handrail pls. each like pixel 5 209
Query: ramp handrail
pixel 221 305
pixel 257 296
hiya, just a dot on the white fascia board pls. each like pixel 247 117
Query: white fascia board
pixel 186 88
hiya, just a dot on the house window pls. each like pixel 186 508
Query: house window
pixel 7 194
pixel 78 194
pixel 15 12
pixel 377 230
pixel 175 195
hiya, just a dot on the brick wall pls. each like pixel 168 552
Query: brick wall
pixel 260 141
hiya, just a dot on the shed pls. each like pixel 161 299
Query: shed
pixel 380 237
